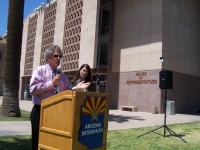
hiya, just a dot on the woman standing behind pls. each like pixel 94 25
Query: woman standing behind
pixel 83 74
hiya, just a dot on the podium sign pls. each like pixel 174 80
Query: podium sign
pixel 92 122
pixel 74 120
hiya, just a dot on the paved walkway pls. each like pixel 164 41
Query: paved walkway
pixel 117 120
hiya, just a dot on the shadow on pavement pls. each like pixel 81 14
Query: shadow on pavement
pixel 122 119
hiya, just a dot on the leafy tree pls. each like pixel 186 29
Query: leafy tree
pixel 10 103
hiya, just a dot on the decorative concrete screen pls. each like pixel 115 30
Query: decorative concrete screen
pixel 48 29
pixel 30 45
pixel 72 32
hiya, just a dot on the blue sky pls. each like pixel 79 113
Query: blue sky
pixel 29 6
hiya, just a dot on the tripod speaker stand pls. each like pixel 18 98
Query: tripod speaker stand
pixel 164 126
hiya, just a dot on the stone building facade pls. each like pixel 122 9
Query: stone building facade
pixel 122 41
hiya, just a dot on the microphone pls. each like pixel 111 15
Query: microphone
pixel 58 69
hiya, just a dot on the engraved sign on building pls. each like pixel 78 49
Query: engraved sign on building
pixel 140 79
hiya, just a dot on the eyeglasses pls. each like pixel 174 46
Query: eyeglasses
pixel 56 56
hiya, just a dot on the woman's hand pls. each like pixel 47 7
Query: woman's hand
pixel 83 85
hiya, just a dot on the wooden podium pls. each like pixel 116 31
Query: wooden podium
pixel 73 120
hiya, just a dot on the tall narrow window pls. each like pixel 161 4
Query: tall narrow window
pixel 104 30
pixel 0 55
pixel 100 78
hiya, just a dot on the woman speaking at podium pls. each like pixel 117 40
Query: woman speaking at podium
pixel 47 80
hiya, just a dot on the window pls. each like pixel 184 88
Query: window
pixel 0 55
pixel 104 32
pixel 100 78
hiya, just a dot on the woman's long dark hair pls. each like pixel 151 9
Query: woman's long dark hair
pixel 88 78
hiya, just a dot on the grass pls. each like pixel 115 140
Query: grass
pixel 18 142
pixel 128 140
pixel 25 116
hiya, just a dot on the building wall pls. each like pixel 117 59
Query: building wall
pixel 185 92
pixel 23 54
pixel 143 31
pixel 30 57
pixel 38 38
pixel 147 29
pixel 181 34
pixel 137 47
pixel 133 89
pixel 72 35
pixel 137 42
pixel 89 33
pixel 181 43
pixel 60 22
pixel 24 42
pixel 74 30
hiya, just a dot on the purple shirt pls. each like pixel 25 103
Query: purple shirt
pixel 41 85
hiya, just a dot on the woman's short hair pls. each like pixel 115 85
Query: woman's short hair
pixel 49 51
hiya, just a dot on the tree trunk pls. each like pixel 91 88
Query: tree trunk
pixel 10 103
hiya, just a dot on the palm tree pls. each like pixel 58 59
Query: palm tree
pixel 10 103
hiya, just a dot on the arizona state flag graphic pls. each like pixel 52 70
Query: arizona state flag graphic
pixel 92 122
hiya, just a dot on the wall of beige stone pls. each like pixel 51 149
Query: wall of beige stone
pixel 89 33
pixel 38 42
pixel 181 36
pixel 144 30
pixel 23 50
pixel 58 36
pixel 23 55
pixel 137 47
pixel 137 35
pixel 38 38
pixel 60 22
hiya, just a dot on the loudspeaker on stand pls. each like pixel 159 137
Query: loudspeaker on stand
pixel 166 80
